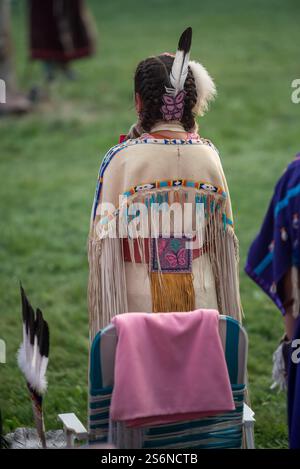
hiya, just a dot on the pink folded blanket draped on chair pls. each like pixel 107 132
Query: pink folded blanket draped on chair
pixel 169 367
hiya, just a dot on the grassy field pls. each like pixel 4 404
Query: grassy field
pixel 49 162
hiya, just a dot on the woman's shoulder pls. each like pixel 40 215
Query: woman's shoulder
pixel 114 150
pixel 210 144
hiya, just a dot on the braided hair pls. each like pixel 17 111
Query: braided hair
pixel 151 78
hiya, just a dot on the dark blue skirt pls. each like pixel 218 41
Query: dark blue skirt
pixel 294 396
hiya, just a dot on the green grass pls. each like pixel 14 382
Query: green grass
pixel 49 162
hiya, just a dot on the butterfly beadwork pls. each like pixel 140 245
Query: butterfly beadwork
pixel 173 255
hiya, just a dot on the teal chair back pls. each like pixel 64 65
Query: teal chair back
pixel 219 431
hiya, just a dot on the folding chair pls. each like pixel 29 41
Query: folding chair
pixel 234 429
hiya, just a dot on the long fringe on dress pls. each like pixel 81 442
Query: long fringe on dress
pixel 107 294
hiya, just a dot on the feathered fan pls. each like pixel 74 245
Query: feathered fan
pixel 33 360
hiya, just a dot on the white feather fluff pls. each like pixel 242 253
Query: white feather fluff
pixel 206 89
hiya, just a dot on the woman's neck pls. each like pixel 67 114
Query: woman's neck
pixel 169 134
pixel 170 130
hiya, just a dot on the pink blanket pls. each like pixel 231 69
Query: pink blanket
pixel 169 367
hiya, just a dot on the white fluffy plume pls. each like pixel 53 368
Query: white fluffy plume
pixel 206 90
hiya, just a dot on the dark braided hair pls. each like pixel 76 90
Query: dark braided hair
pixel 151 78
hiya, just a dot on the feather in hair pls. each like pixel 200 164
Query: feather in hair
pixel 181 61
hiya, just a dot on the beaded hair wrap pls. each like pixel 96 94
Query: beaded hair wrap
pixel 173 106
pixel 173 99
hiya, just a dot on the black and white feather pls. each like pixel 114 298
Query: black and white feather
pixel 34 350
pixel 180 65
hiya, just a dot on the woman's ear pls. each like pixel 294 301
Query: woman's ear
pixel 138 103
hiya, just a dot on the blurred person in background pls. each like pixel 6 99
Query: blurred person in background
pixel 60 31
pixel 273 263
pixel 16 102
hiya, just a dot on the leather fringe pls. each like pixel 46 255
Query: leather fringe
pixel 172 292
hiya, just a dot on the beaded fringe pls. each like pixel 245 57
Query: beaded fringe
pixel 107 294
